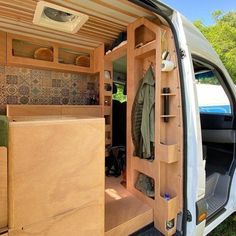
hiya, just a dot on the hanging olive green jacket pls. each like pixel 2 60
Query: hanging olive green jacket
pixel 143 117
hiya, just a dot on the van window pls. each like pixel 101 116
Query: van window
pixel 212 97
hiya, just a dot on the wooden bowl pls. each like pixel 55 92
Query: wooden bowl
pixel 82 61
pixel 44 54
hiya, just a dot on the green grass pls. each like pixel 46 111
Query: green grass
pixel 226 228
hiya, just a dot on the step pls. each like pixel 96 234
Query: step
pixel 217 187
pixel 126 216
pixel 124 213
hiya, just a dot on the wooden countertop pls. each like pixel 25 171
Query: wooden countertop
pixel 40 119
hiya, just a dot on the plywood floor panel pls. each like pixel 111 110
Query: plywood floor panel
pixel 124 213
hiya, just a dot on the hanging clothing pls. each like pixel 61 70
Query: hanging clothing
pixel 143 117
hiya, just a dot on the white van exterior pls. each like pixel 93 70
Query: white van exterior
pixel 194 44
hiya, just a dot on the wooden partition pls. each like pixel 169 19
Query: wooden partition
pixel 3 188
pixel 108 82
pixel 56 176
pixel 146 43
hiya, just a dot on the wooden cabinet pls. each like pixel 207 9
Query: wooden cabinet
pixel 56 176
pixel 31 52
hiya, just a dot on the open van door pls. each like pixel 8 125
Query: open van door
pixel 210 116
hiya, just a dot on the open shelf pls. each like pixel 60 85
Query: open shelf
pixel 146 50
pixel 144 184
pixel 31 52
pixel 73 57
pixel 168 116
pixel 169 206
pixel 107 93
pixel 107 100
pixel 143 166
pixel 117 53
pixel 168 94
pixel 107 81
pixel 31 49
pixel 144 34
pixel 168 209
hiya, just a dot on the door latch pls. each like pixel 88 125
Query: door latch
pixel 182 53
pixel 189 216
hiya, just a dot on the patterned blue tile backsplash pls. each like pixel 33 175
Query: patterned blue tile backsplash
pixel 31 86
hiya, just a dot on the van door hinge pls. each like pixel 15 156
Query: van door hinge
pixel 189 216
pixel 182 53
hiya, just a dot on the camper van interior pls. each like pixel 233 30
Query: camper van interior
pixel 91 121
pixel 68 67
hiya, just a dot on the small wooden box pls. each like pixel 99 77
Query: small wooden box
pixel 168 153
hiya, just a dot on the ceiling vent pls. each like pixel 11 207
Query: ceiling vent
pixel 58 18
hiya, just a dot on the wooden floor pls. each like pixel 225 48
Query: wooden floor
pixel 124 213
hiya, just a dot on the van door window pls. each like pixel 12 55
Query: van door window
pixel 211 96
pixel 218 135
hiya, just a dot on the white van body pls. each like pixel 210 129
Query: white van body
pixel 194 43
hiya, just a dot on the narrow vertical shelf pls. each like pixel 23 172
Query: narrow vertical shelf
pixel 108 81
pixel 146 43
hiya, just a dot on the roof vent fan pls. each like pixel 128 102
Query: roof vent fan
pixel 59 18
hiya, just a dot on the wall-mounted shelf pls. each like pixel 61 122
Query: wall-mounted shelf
pixel 146 50
pixel 144 166
pixel 168 209
pixel 108 93
pixel 31 52
pixel 168 94
pixel 116 53
pixel 168 153
pixel 168 116
pixel 146 42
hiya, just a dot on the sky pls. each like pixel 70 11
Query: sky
pixel 201 9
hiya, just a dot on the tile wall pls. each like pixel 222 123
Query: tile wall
pixel 32 86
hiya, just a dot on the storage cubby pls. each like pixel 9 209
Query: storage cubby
pixel 33 50
pixel 143 35
pixel 78 58
pixel 168 211
pixel 107 100
pixel 108 87
pixel 107 119
pixel 145 184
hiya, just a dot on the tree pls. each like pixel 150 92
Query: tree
pixel 222 36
